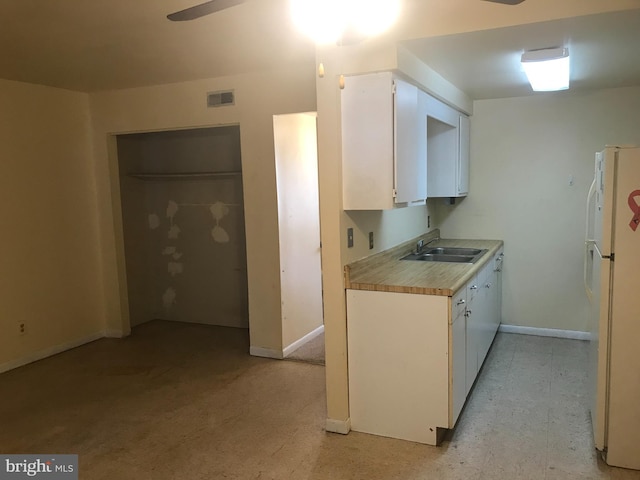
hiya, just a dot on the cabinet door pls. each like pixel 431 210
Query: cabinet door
pixel 367 142
pixel 498 265
pixel 464 138
pixel 458 367
pixel 484 311
pixel 443 143
pixel 473 334
pixel 410 132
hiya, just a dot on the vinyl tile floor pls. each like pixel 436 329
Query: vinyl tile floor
pixel 179 401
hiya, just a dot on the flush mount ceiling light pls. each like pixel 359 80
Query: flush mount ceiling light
pixel 547 69
pixel 326 21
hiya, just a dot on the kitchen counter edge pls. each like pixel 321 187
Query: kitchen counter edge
pixel 385 272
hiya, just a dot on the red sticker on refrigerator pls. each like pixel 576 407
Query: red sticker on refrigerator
pixel 635 208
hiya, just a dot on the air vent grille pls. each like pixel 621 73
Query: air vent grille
pixel 219 99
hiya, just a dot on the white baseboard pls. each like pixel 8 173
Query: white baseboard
pixel 265 352
pixel 116 333
pixel 338 426
pixel 545 332
pixel 298 343
pixel 48 352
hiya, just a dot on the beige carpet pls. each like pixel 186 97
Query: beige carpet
pixel 310 352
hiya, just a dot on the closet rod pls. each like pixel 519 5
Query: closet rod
pixel 182 175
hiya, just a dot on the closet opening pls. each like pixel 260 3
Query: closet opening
pixel 183 226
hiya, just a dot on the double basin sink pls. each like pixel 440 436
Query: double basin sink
pixel 447 254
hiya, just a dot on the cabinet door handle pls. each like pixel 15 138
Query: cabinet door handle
pixel 461 302
pixel 473 287
pixel 488 285
pixel 467 313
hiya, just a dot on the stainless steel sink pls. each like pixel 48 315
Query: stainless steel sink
pixel 447 254
pixel 452 251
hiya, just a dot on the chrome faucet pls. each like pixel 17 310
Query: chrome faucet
pixel 420 244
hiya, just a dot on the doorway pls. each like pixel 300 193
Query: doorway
pixel 295 141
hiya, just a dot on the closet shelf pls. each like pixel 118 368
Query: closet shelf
pixel 183 175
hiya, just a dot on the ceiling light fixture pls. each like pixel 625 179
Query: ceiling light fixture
pixel 326 21
pixel 547 69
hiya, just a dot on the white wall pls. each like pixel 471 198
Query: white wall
pixel 258 97
pixel 389 227
pixel 523 151
pixel 49 231
pixel 296 152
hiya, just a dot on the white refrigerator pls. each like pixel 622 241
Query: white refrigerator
pixel 612 281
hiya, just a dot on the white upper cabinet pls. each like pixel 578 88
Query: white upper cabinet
pixel 464 134
pixel 383 143
pixel 447 150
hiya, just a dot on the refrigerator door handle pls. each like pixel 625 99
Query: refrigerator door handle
pixel 588 242
pixel 589 214
pixel 587 252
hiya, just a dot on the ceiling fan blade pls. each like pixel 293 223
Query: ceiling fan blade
pixel 203 9
pixel 506 2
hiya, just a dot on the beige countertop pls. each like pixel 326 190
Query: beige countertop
pixel 385 272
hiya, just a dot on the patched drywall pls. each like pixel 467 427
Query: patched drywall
pixel 183 218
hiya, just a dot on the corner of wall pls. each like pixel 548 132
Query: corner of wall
pixel 432 82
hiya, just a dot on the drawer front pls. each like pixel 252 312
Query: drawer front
pixel 459 303
pixel 473 287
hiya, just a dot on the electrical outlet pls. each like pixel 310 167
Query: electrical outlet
pixel 370 240
pixel 22 328
pixel 349 237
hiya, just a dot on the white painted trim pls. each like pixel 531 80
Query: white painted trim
pixel 298 343
pixel 545 332
pixel 265 352
pixel 338 426
pixel 48 352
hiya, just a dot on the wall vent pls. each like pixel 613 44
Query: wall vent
pixel 219 99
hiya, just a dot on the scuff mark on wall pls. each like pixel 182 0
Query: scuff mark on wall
pixel 169 297
pixel 219 234
pixel 154 221
pixel 219 210
pixel 175 268
pixel 174 232
pixel 172 209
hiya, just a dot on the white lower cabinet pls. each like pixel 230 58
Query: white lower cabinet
pixel 458 360
pixel 414 358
